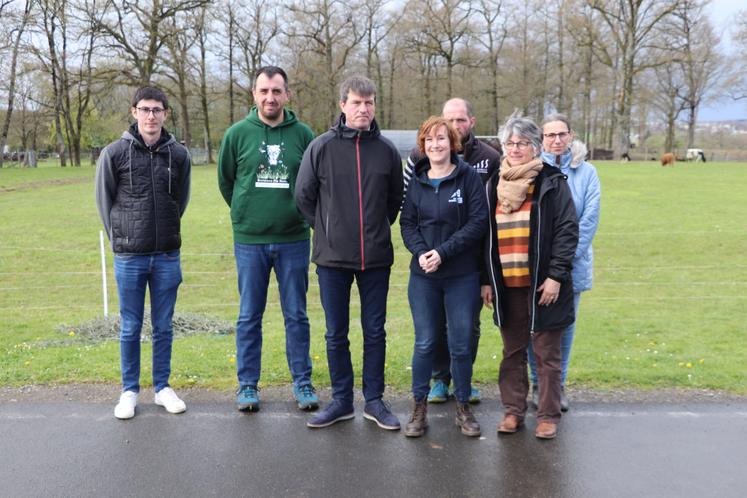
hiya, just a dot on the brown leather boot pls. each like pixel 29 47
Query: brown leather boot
pixel 465 419
pixel 418 420
pixel 546 430
pixel 510 424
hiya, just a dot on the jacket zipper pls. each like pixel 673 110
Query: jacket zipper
pixel 537 261
pixel 490 252
pixel 155 200
pixel 360 200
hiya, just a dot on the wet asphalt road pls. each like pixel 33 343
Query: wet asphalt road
pixel 80 449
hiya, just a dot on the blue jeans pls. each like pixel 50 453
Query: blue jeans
pixel 291 263
pixel 434 303
pixel 162 274
pixel 565 347
pixel 441 356
pixel 334 289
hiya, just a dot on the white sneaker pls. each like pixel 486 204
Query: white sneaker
pixel 168 399
pixel 126 407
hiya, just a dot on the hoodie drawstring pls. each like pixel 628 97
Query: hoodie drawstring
pixel 129 163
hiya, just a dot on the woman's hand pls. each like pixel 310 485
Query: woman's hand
pixel 486 293
pixel 550 290
pixel 430 261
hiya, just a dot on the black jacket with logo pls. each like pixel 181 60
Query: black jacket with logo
pixel 553 236
pixel 349 189
pixel 450 218
pixel 142 192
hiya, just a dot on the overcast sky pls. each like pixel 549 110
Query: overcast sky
pixel 722 12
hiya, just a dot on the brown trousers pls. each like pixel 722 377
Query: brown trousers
pixel 513 380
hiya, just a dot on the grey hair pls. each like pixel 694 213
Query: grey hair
pixel 524 128
pixel 557 117
pixel 357 84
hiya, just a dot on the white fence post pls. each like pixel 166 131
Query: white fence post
pixel 103 273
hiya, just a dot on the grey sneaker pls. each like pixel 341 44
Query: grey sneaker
pixel 564 405
pixel 534 400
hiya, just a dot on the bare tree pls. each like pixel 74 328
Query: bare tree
pixel 492 37
pixel 584 28
pixel 202 27
pixel 3 4
pixel 700 59
pixel 330 33
pixel 738 77
pixel 178 37
pixel 633 26
pixel 16 37
pixel 257 28
pixel 445 24
pixel 667 87
pixel 133 30
pixel 68 59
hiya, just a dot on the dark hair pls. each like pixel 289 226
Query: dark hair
pixel 434 123
pixel 150 93
pixel 357 84
pixel 558 117
pixel 271 71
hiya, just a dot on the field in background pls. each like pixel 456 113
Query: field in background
pixel 667 308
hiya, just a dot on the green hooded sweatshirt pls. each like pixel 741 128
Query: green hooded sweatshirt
pixel 257 168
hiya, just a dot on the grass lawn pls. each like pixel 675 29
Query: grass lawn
pixel 667 308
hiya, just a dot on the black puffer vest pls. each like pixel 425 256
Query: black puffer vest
pixel 145 216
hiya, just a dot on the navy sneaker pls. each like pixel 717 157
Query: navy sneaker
pixel 336 411
pixel 306 397
pixel 439 392
pixel 379 412
pixel 247 399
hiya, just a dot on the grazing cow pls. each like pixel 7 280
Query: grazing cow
pixel 667 158
pixel 696 155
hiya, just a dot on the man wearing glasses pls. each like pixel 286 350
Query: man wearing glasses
pixel 257 167
pixel 142 191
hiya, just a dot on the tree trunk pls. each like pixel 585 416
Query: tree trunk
pixel 12 80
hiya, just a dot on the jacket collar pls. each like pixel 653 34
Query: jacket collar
pixel 343 131
pixel 133 135
pixel 423 165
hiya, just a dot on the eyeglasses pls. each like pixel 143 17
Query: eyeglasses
pixel 519 145
pixel 552 136
pixel 144 111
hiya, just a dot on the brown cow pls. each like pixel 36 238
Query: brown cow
pixel 667 158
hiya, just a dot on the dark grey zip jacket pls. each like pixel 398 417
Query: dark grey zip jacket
pixel 142 192
pixel 553 236
pixel 349 189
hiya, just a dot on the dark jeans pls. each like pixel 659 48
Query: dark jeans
pixel 334 289
pixel 435 302
pixel 514 380
pixel 441 356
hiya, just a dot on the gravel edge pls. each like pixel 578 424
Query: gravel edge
pixel 108 393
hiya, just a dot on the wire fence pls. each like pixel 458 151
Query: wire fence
pixel 609 279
